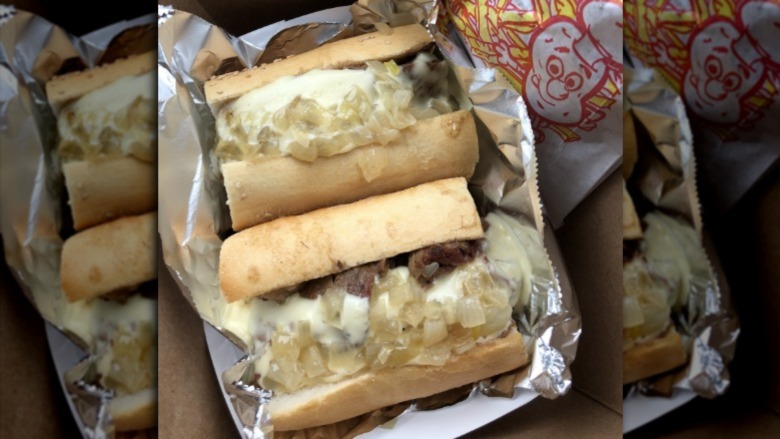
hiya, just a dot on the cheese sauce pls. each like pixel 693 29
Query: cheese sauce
pixel 322 113
pixel 116 120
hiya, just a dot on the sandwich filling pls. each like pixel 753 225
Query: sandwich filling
pixel 659 273
pixel 322 113
pixel 126 344
pixel 115 120
pixel 422 308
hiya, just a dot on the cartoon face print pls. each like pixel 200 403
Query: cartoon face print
pixel 762 20
pixel 566 71
pixel 725 67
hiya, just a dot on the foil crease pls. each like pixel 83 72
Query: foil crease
pixel 32 191
pixel 574 124
pixel 667 178
pixel 193 213
pixel 91 401
pixel 736 127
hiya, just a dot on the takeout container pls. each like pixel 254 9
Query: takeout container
pixel 34 219
pixel 601 386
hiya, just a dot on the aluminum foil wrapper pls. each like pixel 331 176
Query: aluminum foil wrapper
pixel 32 191
pixel 722 58
pixel 565 59
pixel 193 217
pixel 663 169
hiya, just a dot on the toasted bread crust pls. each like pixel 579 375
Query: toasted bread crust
pixel 109 257
pixel 373 390
pixel 135 412
pixel 262 190
pixel 104 189
pixel 290 250
pixel 339 54
pixel 653 357
pixel 61 90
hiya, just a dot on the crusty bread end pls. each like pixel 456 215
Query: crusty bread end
pixel 653 357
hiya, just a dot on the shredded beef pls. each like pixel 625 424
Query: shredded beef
pixel 358 281
pixel 147 290
pixel 447 256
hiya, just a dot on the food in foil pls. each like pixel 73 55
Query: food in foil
pixel 417 297
pixel 361 270
pixel 354 118
pixel 108 269
pixel 107 134
pixel 651 344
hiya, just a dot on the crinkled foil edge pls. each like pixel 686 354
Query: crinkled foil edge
pixel 31 220
pixel 708 325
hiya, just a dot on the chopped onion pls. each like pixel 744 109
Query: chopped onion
pixel 434 331
pixel 433 356
pixel 345 362
pixel 465 346
pixel 470 313
pixel 632 312
pixel 383 28
pixel 429 270
pixel 284 345
pixel 413 314
pixel 305 338
pixel 312 362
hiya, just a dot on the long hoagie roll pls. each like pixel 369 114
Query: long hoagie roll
pixel 339 123
pixel 107 132
pixel 110 257
pixel 436 148
pixel 373 390
pixel 137 411
pixel 410 294
pixel 108 188
pixel 653 357
pixel 290 250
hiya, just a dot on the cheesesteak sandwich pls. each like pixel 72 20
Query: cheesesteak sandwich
pixel 112 266
pixel 651 345
pixel 358 117
pixel 391 298
pixel 107 133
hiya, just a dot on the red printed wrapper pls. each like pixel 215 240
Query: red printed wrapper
pixel 723 58
pixel 565 58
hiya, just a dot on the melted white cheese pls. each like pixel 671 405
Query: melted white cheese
pixel 326 87
pixel 353 322
pixel 119 115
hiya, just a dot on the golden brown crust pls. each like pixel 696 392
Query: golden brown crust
pixel 290 250
pixel 436 148
pixel 135 412
pixel 335 402
pixel 653 357
pixel 103 189
pixel 339 54
pixel 109 257
pixel 632 229
pixel 61 90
